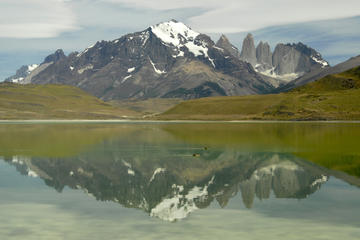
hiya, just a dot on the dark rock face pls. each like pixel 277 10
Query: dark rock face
pixel 225 44
pixel 264 56
pixel 58 55
pixel 165 60
pixel 296 58
pixel 248 51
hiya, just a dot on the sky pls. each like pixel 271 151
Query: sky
pixel 32 29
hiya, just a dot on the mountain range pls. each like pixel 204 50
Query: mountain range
pixel 170 60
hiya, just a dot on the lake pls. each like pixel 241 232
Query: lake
pixel 180 180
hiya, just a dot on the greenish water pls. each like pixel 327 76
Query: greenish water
pixel 180 181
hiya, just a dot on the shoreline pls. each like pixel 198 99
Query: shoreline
pixel 38 121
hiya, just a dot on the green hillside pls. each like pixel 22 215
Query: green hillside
pixel 335 97
pixel 53 102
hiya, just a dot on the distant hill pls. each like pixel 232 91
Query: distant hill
pixel 335 97
pixel 53 102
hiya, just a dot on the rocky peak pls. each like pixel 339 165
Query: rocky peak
pixel 225 44
pixel 58 55
pixel 248 52
pixel 312 53
pixel 264 55
pixel 296 58
pixel 223 40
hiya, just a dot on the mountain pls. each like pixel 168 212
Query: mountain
pixel 320 73
pixel 286 63
pixel 21 74
pixel 29 101
pixel 167 60
pixel 334 97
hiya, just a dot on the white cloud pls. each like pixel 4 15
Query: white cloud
pixel 35 18
pixel 244 15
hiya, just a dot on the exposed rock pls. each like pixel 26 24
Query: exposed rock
pixel 248 52
pixel 58 55
pixel 296 58
pixel 263 56
pixel 225 44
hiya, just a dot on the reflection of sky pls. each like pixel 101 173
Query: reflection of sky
pixel 31 210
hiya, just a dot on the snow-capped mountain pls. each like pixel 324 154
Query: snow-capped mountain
pixel 166 60
pixel 21 74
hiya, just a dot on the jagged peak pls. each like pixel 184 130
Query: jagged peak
pixel 223 39
pixel 249 35
pixel 56 56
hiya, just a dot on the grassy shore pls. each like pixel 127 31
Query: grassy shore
pixel 335 97
pixel 53 102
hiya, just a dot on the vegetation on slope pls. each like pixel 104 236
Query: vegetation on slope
pixel 335 97
pixel 147 107
pixel 53 102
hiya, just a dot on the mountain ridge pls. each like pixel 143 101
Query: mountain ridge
pixel 150 64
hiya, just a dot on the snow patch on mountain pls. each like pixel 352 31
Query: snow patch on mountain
pixel 32 68
pixel 317 58
pixel 158 71
pixel 126 78
pixel 284 77
pixel 85 51
pixel 17 80
pixel 88 67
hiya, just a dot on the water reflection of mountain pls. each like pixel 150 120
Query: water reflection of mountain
pixel 169 183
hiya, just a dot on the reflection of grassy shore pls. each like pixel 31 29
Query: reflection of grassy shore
pixel 54 140
pixel 332 145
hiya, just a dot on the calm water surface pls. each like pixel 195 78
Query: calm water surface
pixel 180 181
